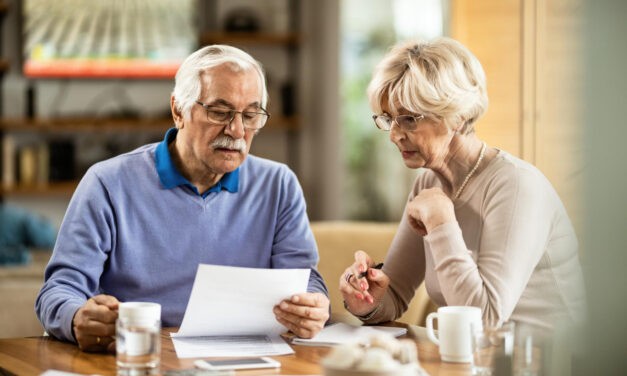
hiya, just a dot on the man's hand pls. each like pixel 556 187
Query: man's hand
pixel 303 314
pixel 94 324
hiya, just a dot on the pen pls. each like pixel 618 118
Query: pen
pixel 378 266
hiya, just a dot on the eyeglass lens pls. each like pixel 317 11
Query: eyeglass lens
pixel 405 122
pixel 253 120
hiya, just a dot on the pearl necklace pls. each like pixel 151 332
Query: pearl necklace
pixel 474 168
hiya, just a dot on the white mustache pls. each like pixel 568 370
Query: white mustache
pixel 226 142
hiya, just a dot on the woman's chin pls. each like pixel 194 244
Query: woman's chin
pixel 413 163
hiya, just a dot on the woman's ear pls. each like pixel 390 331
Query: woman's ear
pixel 461 127
pixel 177 116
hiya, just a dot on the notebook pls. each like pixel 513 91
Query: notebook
pixel 340 333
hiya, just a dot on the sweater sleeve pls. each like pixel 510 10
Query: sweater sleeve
pixel 294 245
pixel 73 273
pixel 517 216
pixel 405 266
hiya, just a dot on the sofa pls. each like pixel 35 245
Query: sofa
pixel 337 241
pixel 19 286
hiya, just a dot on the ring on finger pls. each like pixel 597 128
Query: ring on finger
pixel 98 340
pixel 348 277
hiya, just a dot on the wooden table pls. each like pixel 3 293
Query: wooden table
pixel 34 355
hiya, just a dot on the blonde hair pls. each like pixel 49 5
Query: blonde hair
pixel 440 79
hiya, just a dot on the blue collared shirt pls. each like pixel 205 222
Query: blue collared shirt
pixel 170 177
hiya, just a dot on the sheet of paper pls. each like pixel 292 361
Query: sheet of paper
pixel 259 345
pixel 231 301
pixel 339 333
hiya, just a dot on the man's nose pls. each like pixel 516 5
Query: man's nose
pixel 236 127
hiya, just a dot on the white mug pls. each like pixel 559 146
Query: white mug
pixel 454 332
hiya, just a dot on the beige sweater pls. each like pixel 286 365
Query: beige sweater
pixel 512 252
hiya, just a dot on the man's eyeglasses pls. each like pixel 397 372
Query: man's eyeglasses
pixel 253 120
pixel 405 122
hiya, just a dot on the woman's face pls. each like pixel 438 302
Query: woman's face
pixel 426 146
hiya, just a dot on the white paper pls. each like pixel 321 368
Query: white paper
pixel 340 333
pixel 259 345
pixel 231 301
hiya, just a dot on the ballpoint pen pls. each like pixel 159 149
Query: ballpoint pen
pixel 377 266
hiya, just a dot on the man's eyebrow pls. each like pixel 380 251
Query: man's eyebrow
pixel 222 102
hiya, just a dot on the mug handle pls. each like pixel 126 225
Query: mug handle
pixel 430 333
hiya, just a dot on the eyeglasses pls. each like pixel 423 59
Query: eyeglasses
pixel 251 119
pixel 405 122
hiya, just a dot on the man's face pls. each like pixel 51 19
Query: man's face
pixel 214 148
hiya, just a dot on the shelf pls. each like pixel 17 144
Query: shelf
pixel 80 125
pixel 250 38
pixel 84 125
pixel 52 189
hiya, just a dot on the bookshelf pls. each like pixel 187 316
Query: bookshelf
pixel 25 140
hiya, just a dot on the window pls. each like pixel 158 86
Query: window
pixel 377 181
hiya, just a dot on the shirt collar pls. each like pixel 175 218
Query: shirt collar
pixel 170 177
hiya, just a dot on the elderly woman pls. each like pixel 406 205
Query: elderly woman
pixel 481 227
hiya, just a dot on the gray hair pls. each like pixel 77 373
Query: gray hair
pixel 441 79
pixel 187 85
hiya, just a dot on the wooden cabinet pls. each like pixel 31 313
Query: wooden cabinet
pixel 531 52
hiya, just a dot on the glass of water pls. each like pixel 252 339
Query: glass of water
pixel 138 343
pixel 492 350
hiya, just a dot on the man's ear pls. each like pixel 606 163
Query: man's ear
pixel 177 116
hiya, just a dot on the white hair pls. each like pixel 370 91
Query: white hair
pixel 441 79
pixel 187 84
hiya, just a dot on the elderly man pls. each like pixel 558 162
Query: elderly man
pixel 139 224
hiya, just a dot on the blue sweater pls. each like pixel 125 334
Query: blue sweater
pixel 137 230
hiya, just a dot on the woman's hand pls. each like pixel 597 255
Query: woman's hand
pixel 429 209
pixel 363 294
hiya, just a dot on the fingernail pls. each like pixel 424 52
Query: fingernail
pixel 359 296
pixel 370 300
pixel 295 298
pixel 283 305
pixel 362 285
pixel 361 268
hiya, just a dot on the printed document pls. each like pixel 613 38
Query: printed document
pixel 234 305
pixel 340 333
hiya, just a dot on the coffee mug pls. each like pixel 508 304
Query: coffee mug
pixel 454 332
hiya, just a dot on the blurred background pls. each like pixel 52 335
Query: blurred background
pixel 84 80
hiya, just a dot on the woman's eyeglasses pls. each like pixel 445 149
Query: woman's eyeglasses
pixel 405 122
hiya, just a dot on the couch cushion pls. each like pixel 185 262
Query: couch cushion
pixel 19 286
pixel 337 242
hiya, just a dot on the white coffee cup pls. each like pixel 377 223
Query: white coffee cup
pixel 454 332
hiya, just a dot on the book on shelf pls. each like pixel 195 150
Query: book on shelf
pixel 8 161
pixel 28 163
pixel 62 160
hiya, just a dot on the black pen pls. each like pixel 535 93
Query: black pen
pixel 378 266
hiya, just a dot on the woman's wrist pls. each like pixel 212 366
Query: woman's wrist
pixel 367 316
